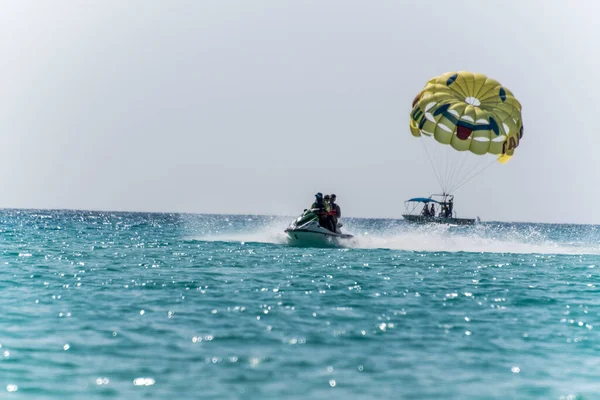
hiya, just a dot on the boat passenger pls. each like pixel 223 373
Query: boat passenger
pixel 432 211
pixel 450 206
pixel 336 211
pixel 425 212
pixel 444 212
pixel 322 209
pixel 331 223
pixel 320 204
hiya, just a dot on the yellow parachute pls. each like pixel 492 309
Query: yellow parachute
pixel 469 112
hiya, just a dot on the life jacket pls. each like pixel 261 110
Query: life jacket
pixel 322 205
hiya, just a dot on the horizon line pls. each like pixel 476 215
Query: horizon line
pixel 260 215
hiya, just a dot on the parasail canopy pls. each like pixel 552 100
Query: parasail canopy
pixel 463 116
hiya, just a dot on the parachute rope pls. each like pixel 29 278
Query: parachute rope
pixel 446 174
pixel 432 165
pixel 461 171
pixel 453 169
pixel 466 180
pixel 458 168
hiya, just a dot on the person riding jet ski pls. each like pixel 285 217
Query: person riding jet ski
pixel 335 213
pixel 314 226
pixel 322 210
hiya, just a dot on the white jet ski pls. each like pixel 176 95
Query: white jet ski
pixel 306 231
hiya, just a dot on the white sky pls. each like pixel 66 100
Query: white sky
pixel 253 106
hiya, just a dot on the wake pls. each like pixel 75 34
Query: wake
pixel 478 239
pixel 267 232
pixel 398 235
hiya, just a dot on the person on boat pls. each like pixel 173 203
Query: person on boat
pixel 425 212
pixel 336 211
pixel 444 212
pixel 320 204
pixel 322 209
pixel 450 206
pixel 432 211
pixel 330 221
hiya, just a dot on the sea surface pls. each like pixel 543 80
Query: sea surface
pixel 99 305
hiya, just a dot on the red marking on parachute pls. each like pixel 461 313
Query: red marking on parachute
pixel 463 133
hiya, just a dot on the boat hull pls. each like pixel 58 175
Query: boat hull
pixel 311 238
pixel 419 219
pixel 305 231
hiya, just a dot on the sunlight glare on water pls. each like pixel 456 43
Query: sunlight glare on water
pixel 132 305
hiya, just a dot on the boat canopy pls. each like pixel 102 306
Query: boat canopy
pixel 423 200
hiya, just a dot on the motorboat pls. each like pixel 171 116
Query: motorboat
pixel 444 214
pixel 306 231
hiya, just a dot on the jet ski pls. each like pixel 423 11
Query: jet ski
pixel 306 231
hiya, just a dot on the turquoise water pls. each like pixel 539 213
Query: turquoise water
pixel 127 305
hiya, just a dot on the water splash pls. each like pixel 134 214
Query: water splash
pixel 248 229
pixel 479 239
pixel 515 238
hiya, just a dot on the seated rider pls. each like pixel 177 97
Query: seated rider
pixel 321 209
pixel 425 212
pixel 336 212
pixel 330 223
pixel 444 212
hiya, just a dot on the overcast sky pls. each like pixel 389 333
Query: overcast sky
pixel 253 106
